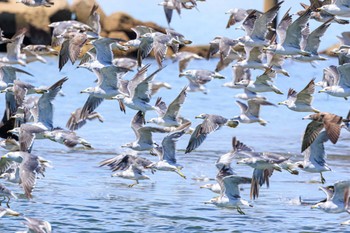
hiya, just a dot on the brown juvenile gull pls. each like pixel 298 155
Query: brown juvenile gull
pixel 71 47
pixel 301 101
pixel 210 124
pixel 330 122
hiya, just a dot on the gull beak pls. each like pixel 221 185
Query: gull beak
pixel 321 91
pixel 280 103
pixel 181 74
pixel 41 91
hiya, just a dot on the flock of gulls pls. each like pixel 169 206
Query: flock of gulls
pixel 29 110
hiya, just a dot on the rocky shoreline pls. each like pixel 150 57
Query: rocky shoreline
pixel 14 16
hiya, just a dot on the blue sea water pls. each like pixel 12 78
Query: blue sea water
pixel 76 195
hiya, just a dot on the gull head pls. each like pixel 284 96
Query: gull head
pixel 283 103
pixel 245 161
pixel 201 116
pixel 14 131
pixel 88 90
pixel 127 145
pixel 242 83
pixel 154 120
pixel 119 97
pixel 207 186
pixel 13 156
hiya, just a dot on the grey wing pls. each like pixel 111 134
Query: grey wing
pixel 103 50
pixel 14 48
pixel 134 82
pixel 260 26
pixel 9 73
pixel 64 54
pixel 254 105
pixel 27 173
pixel 203 76
pixel 168 14
pixel 144 49
pixel 304 96
pixel 26 140
pixel 119 162
pixel 242 106
pixel 160 48
pixel 45 103
pixel 212 123
pixel 231 185
pixel 344 75
pixel 283 25
pixel 313 40
pixel 137 122
pixel 146 134
pixel 341 192
pixel 293 34
pixel 316 150
pixel 225 160
pixel 174 107
pixel 330 75
pixel 260 177
pixel 142 90
pixel 108 76
pixel 196 139
pixel 248 22
pixel 90 105
pixel 240 73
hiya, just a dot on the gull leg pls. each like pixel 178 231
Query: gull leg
pixel 2 200
pixel 323 180
pixel 7 203
pixel 132 185
pixel 240 211
pixel 180 173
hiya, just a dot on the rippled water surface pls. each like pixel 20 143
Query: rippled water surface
pixel 78 196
